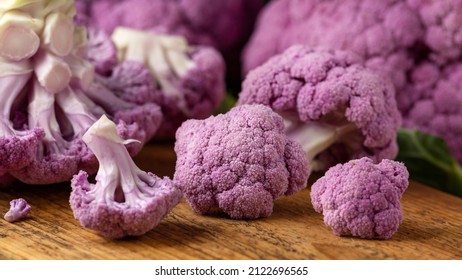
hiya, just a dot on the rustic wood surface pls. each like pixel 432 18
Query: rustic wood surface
pixel 432 229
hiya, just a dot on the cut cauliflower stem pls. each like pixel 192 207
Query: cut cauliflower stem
pixel 124 200
pixel 189 80
pixel 239 162
pixel 360 198
pixel 45 81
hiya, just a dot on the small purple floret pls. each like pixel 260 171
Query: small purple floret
pixel 19 209
pixel 362 199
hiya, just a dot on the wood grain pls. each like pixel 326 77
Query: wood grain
pixel 432 229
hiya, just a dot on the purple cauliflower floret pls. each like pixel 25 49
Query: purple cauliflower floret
pixel 332 105
pixel 64 118
pixel 362 199
pixel 188 80
pixel 381 32
pixel 432 103
pixel 19 209
pixel 124 201
pixel 239 162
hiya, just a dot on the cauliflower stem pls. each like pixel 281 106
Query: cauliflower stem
pixel 125 200
pixel 119 180
pixel 316 137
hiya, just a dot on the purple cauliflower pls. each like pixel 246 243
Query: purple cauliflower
pixel 239 162
pixel 19 209
pixel 417 43
pixel 362 199
pixel 188 80
pixel 222 24
pixel 124 201
pixel 432 103
pixel 225 25
pixel 332 105
pixel 442 25
pixel 384 33
pixel 46 89
pixel 392 36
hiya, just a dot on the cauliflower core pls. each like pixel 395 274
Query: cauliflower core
pixel 360 198
pixel 240 162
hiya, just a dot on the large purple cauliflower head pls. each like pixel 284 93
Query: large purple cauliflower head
pixel 239 162
pixel 362 199
pixel 381 32
pixel 335 107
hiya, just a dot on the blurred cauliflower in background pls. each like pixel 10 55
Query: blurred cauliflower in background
pixel 225 24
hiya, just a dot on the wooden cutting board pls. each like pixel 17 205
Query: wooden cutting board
pixel 432 228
